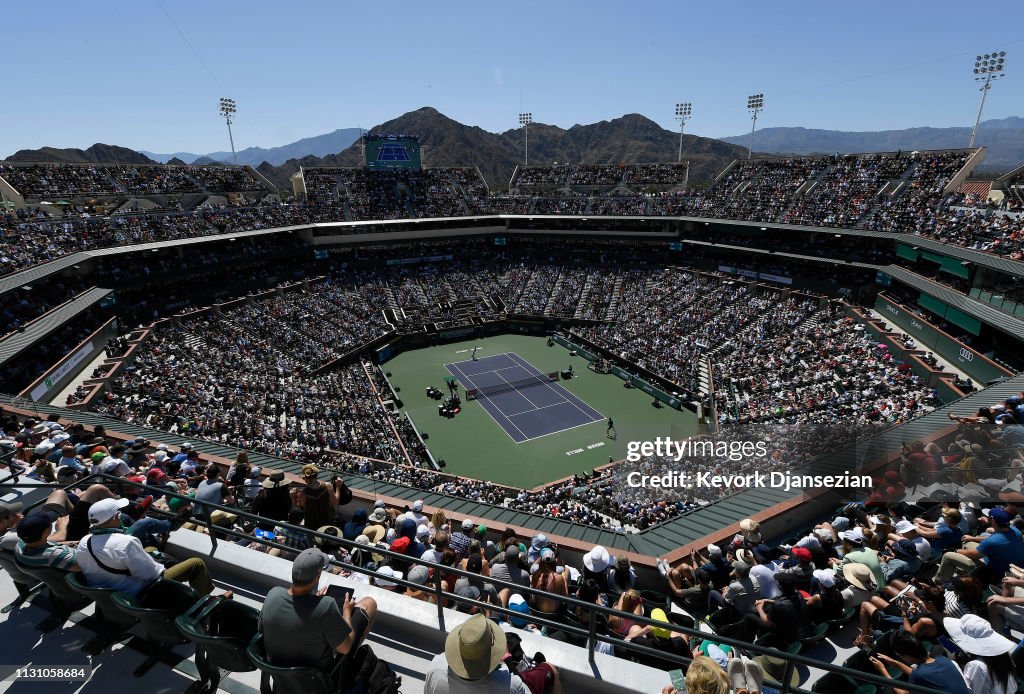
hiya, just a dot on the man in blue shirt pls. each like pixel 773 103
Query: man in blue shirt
pixel 943 535
pixel 939 673
pixel 996 552
pixel 1013 433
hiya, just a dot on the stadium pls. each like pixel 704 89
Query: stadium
pixel 767 423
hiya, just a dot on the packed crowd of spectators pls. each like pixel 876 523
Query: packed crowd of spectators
pixel 657 174
pixel 825 370
pixel 896 193
pixel 847 192
pixel 933 585
pixel 59 181
pixel 27 240
pixel 596 175
pixel 251 393
pixel 681 317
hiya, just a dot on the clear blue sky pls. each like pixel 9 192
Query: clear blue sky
pixel 121 73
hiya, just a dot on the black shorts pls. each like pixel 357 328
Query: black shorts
pixel 360 623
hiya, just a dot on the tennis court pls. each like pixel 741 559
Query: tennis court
pixel 523 401
pixel 471 443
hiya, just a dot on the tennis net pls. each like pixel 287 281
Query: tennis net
pixel 519 384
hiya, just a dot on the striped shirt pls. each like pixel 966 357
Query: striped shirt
pixel 50 555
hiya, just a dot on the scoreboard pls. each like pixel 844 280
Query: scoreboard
pixel 391 152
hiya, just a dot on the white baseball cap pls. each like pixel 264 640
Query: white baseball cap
pixel 102 511
pixel 384 573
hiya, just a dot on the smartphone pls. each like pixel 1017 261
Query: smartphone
pixel 339 593
pixel 678 680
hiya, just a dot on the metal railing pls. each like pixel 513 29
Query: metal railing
pixel 443 597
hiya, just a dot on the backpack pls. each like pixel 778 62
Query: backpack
pixel 344 493
pixel 535 673
pixel 371 674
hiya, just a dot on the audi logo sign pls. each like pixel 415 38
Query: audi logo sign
pixel 966 354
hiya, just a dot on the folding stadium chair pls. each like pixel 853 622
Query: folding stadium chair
pixel 26 585
pixel 817 636
pixel 286 680
pixel 65 600
pixel 156 608
pixel 113 622
pixel 221 630
pixel 835 683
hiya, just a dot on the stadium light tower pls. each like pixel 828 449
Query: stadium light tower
pixel 755 102
pixel 228 109
pixel 988 67
pixel 682 115
pixel 524 120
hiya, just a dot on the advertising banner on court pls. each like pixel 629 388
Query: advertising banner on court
pixel 54 378
pixel 971 362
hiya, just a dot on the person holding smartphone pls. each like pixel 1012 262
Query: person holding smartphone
pixel 303 626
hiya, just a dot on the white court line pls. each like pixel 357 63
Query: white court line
pixel 585 424
pixel 450 367
pixel 535 409
pixel 564 399
pixel 521 392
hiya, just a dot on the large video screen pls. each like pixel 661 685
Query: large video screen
pixel 392 152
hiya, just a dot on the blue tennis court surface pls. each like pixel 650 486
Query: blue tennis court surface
pixel 525 412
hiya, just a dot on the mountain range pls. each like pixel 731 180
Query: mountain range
pixel 630 138
pixel 318 146
pixel 1003 138
pixel 446 142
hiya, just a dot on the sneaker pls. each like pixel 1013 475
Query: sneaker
pixel 663 567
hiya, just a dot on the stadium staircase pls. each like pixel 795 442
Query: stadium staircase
pixel 584 295
pixel 460 193
pixel 613 303
pixel 196 343
pixel 554 293
pixel 805 188
pixel 890 190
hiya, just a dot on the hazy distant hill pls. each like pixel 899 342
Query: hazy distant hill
pixel 98 153
pixel 318 146
pixel 1003 138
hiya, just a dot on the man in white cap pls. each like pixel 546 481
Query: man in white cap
pixel 417 513
pixel 595 566
pixel 381 579
pixel 461 539
pixel 302 626
pixel 906 529
pixel 471 662
pixel 111 558
pixel 855 552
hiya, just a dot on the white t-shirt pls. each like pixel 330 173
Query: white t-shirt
pixel 854 596
pixel 441 680
pixel 976 674
pixel 924 548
